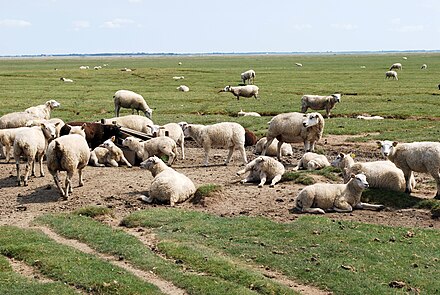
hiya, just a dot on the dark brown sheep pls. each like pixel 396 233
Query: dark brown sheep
pixel 96 133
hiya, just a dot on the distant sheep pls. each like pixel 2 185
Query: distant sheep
pixel 66 80
pixel 131 100
pixel 263 169
pixel 84 67
pixel 424 67
pixel 369 117
pixel 248 77
pixel 183 88
pixel 43 111
pixel 318 102
pixel 157 146
pixel 298 64
pixel 126 70
pixel 312 161
pixel 173 131
pixel 178 78
pixel 244 114
pixel 396 66
pixel 391 74
pixel 243 91
pixel 286 148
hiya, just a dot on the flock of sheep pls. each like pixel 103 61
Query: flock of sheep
pixel 32 134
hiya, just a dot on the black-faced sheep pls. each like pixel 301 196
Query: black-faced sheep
pixel 131 100
pixel 312 161
pixel 43 111
pixel 318 102
pixel 96 133
pixel 243 91
pixel 248 77
pixel 263 169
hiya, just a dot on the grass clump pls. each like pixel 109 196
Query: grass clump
pixel 298 177
pixel 207 190
pixel 93 211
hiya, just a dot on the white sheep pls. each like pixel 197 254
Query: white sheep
pixel 295 127
pixel 135 122
pixel 37 122
pixel 298 64
pixel 66 80
pixel 404 57
pixel 321 197
pixel 286 148
pixel 248 77
pixel 178 78
pixel 158 146
pixel 244 91
pixel 424 67
pixel 312 161
pixel 263 169
pixel 126 70
pixel 318 102
pixel 369 117
pixel 84 67
pixel 244 114
pixel 16 119
pixel 228 135
pixel 417 156
pixel 183 88
pixel 131 100
pixel 396 66
pixel 173 131
pixel 380 174
pixel 168 185
pixel 43 111
pixel 68 153
pixel 108 153
pixel 391 74
pixel 7 137
pixel 31 143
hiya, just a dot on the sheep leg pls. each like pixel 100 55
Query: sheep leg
pixel 342 207
pixel 117 109
pixel 80 176
pixel 33 168
pixel 172 157
pixel 17 165
pixel 182 149
pixel 56 178
pixel 68 185
pixel 231 151
pixel 206 148
pixel 408 175
pixel 268 143
pixel 280 143
pixel 307 146
pixel 30 162
pixel 367 206
pixel 2 151
pixel 243 154
pixel 263 178
pixel 40 160
pixel 312 210
pixel 275 180
pixel 8 153
pixel 126 162
pixel 436 177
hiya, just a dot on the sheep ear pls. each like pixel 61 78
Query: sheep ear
pixel 113 138
pixel 379 144
pixel 83 126
pixel 395 143
pixel 342 155
pixel 56 124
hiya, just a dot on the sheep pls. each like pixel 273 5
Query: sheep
pixel 84 67
pixel 43 111
pixel 228 135
pixel 286 148
pixel 369 117
pixel 96 133
pixel 108 153
pixel 249 138
pixel 135 122
pixel 183 88
pixel 157 146
pixel 168 185
pixel 404 57
pixel 7 137
pixel 16 119
pixel 396 66
pixel 173 131
pixel 263 169
pixel 248 77
pixel 244 91
pixel 321 197
pixel 318 102
pixel 68 153
pixel 178 78
pixel 131 100
pixel 380 174
pixel 424 67
pixel 126 70
pixel 312 161
pixel 391 74
pixel 53 121
pixel 416 156
pixel 298 64
pixel 31 143
pixel 66 80
pixel 244 114
pixel 97 67
pixel 295 127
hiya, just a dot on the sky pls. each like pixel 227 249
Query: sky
pixel 33 27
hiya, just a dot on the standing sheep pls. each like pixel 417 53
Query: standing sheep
pixel 168 185
pixel 43 111
pixel 396 66
pixel 320 197
pixel 391 74
pixel 286 148
pixel 183 88
pixel 7 137
pixel 295 127
pixel 173 131
pixel 244 91
pixel 263 169
pixel 131 100
pixel 248 77
pixel 417 156
pixel 158 146
pixel 228 135
pixel 312 161
pixel 318 102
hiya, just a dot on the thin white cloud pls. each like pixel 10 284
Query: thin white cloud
pixel 410 28
pixel 80 25
pixel 302 27
pixel 117 23
pixel 14 23
pixel 345 27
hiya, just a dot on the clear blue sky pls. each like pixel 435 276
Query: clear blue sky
pixel 186 26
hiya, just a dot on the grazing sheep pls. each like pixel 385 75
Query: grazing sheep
pixel 380 174
pixel 37 122
pixel 43 111
pixel 168 185
pixel 312 161
pixel 249 138
pixel 7 137
pixel 263 169
pixel 404 57
pixel 391 74
pixel 68 153
pixel 16 119
pixel 417 156
pixel 108 153
pixel 286 148
pixel 135 122
pixel 66 80
pixel 126 70
pixel 131 100
pixel 96 133
pixel 244 91
pixel 244 114
pixel 396 66
pixel 318 102
pixel 228 135
pixel 173 131
pixel 295 127
pixel 31 143
pixel 84 67
pixel 248 77
pixel 298 64
pixel 157 146
pixel 424 67
pixel 183 88
pixel 320 197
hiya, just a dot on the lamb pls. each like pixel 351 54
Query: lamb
pixel 157 146
pixel 295 127
pixel 380 174
pixel 286 148
pixel 31 143
pixel 244 114
pixel 16 119
pixel 244 91
pixel 263 169
pixel 168 185
pixel 424 67
pixel 108 153
pixel 96 133
pixel 131 100
pixel 135 122
pixel 228 135
pixel 317 102
pixel 173 131
pixel 183 88
pixel 7 137
pixel 66 80
pixel 312 161
pixel 43 111
pixel 391 74
pixel 417 156
pixel 396 66
pixel 321 197
pixel 248 77
pixel 68 153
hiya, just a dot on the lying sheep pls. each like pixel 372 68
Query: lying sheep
pixel 312 161
pixel 16 119
pixel 248 77
pixel 228 135
pixel 321 197
pixel 108 153
pixel 131 100
pixel 173 131
pixel 178 78
pixel 31 143
pixel 7 137
pixel 417 156
pixel 391 74
pixel 244 91
pixel 396 66
pixel 168 185
pixel 263 169
pixel 68 153
pixel 380 174
pixel 66 80
pixel 295 127
pixel 318 102
pixel 84 67
pixel 183 88
pixel 369 117
pixel 158 146
pixel 244 114
pixel 135 122
pixel 43 111
pixel 286 148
